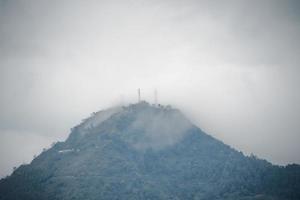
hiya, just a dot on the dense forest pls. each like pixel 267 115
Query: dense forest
pixel 144 151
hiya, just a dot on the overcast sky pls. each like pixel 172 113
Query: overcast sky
pixel 232 66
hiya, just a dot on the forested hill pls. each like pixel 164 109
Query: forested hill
pixel 143 151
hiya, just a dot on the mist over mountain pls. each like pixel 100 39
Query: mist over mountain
pixel 144 151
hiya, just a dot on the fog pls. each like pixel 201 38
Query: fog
pixel 232 67
pixel 158 127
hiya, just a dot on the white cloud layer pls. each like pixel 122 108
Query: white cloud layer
pixel 233 66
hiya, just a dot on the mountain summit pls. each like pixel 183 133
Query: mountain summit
pixel 143 151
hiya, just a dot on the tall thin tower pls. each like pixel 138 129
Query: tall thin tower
pixel 155 97
pixel 139 95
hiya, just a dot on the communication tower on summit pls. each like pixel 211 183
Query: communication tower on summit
pixel 139 95
pixel 155 97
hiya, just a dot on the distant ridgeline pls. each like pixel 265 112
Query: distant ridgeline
pixel 144 151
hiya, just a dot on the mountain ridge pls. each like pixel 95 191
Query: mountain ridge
pixel 144 151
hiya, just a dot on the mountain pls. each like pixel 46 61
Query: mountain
pixel 143 151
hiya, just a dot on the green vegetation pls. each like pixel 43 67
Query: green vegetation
pixel 118 159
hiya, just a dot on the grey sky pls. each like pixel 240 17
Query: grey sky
pixel 232 66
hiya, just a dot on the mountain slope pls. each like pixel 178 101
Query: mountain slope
pixel 147 152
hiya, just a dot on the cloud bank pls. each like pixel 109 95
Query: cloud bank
pixel 233 66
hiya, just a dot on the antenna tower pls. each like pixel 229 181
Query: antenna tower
pixel 139 95
pixel 155 97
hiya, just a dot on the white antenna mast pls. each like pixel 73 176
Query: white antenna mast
pixel 155 97
pixel 139 95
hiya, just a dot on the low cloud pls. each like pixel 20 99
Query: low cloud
pixel 233 66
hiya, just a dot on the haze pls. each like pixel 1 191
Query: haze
pixel 232 66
